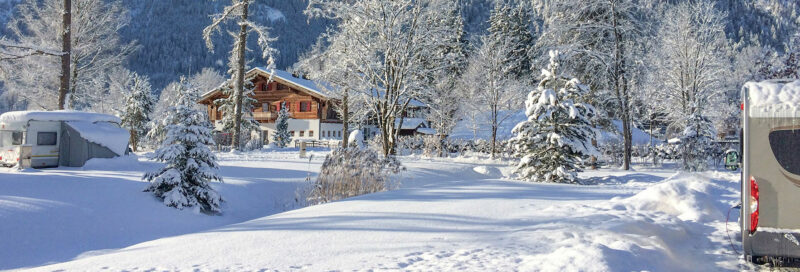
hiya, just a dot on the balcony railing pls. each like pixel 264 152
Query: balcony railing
pixel 263 116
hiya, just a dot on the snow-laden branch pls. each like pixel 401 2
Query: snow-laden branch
pixel 24 50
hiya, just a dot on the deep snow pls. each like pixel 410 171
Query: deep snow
pixel 448 214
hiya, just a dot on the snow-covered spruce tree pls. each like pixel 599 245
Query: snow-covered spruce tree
pixel 697 142
pixel 139 104
pixel 189 164
pixel 556 138
pixel 239 11
pixel 282 138
pixel 227 105
pixel 603 41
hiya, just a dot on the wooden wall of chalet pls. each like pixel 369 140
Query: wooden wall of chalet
pixel 275 93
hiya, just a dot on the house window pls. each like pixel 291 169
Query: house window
pixel 46 138
pixel 288 105
pixel 292 132
pixel 310 133
pixel 264 87
pixel 305 106
pixel 282 87
pixel 339 134
pixel 302 133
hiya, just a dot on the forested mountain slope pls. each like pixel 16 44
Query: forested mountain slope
pixel 169 32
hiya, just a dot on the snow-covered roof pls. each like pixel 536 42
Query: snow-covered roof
pixel 773 98
pixel 307 84
pixel 428 131
pixel 18 120
pixel 410 123
pixel 311 86
pixel 103 133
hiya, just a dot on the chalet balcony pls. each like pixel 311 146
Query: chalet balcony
pixel 264 116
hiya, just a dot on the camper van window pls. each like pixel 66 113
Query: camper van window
pixel 16 138
pixel 46 138
pixel 783 144
pixel 9 138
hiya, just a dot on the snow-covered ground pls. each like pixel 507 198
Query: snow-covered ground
pixel 448 214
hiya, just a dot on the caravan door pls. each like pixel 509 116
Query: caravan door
pixel 44 139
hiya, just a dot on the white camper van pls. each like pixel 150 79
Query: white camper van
pixel 66 138
pixel 770 181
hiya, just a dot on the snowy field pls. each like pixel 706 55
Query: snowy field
pixel 447 214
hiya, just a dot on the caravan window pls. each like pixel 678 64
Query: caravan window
pixel 9 138
pixel 46 138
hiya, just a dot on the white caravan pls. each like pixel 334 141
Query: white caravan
pixel 67 138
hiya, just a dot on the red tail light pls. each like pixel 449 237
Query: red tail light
pixel 753 205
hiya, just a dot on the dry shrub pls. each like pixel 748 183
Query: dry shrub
pixel 349 172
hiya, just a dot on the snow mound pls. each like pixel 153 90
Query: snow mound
pixel 773 98
pixel 103 133
pixel 488 170
pixel 127 162
pixel 683 196
pixel 19 119
pixel 357 138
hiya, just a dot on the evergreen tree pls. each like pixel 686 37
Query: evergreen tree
pixel 697 142
pixel 555 139
pixel 511 21
pixel 281 138
pixel 139 104
pixel 227 105
pixel 189 163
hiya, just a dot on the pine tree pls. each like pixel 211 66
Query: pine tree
pixel 227 105
pixel 281 138
pixel 139 104
pixel 697 142
pixel 189 163
pixel 555 139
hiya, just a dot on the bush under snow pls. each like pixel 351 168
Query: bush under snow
pixel 349 172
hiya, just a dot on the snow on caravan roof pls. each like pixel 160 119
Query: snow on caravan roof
pixel 19 119
pixel 773 98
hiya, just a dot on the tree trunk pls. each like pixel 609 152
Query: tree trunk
pixel 626 131
pixel 134 140
pixel 621 89
pixel 494 135
pixel 345 120
pixel 239 84
pixel 652 147
pixel 66 49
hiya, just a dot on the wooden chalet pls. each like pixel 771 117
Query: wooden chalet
pixel 312 117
